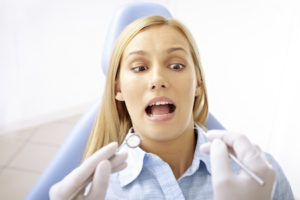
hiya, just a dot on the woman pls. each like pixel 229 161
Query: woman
pixel 155 85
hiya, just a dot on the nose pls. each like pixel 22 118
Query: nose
pixel 158 85
pixel 158 79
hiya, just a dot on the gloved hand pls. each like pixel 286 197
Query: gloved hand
pixel 100 165
pixel 230 186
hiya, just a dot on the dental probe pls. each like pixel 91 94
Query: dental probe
pixel 132 140
pixel 248 171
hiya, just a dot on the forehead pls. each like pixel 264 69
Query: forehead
pixel 159 37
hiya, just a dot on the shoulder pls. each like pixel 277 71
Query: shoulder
pixel 282 188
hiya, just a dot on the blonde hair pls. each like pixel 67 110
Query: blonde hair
pixel 113 120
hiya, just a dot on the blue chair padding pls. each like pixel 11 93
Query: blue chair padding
pixel 213 123
pixel 67 158
pixel 124 16
pixel 70 154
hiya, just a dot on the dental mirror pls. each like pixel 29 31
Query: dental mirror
pixel 133 140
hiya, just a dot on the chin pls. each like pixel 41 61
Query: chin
pixel 160 133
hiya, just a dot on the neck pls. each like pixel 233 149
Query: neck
pixel 178 153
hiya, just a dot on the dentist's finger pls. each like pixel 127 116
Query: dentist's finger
pixel 205 147
pixel 240 144
pixel 213 134
pixel 79 175
pixel 249 154
pixel 119 168
pixel 118 161
pixel 100 181
pixel 220 166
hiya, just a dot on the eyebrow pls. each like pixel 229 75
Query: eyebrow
pixel 170 50
pixel 139 52
pixel 143 53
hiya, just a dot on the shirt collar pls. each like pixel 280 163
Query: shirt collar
pixel 135 163
pixel 205 158
pixel 198 154
pixel 136 156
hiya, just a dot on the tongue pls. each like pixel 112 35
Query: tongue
pixel 160 110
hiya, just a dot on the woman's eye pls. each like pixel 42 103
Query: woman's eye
pixel 177 66
pixel 139 68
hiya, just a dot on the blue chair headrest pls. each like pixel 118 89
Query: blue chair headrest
pixel 123 17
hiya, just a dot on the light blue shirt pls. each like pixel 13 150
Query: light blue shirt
pixel 147 176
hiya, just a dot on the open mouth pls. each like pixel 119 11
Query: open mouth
pixel 160 108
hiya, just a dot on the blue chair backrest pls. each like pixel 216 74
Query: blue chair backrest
pixel 125 15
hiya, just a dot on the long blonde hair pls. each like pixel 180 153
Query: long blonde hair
pixel 113 121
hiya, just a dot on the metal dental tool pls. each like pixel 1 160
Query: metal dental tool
pixel 248 171
pixel 132 140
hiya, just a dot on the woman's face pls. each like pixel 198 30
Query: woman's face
pixel 157 81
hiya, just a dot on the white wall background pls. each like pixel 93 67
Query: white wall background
pixel 50 64
pixel 250 51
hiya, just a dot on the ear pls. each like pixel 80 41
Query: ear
pixel 118 93
pixel 198 89
pixel 119 96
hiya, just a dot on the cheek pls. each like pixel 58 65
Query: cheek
pixel 132 91
pixel 187 85
pixel 186 92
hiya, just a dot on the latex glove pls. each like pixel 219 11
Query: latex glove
pixel 98 164
pixel 230 186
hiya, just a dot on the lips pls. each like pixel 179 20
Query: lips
pixel 160 109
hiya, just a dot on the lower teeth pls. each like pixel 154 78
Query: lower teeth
pixel 151 115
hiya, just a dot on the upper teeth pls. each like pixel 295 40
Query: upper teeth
pixel 159 103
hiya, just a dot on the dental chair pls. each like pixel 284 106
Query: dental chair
pixel 70 154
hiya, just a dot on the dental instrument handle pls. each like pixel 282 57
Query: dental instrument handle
pixel 248 171
pixel 81 189
pixel 132 140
